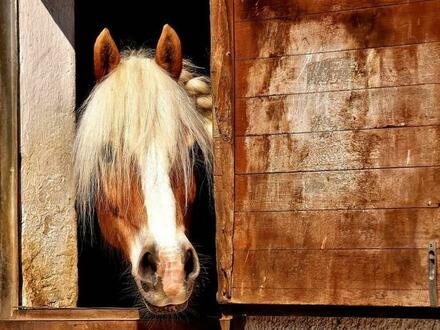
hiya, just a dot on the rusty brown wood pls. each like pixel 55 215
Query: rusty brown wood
pixel 347 70
pixel 265 9
pixel 96 318
pixel 222 77
pixel 340 209
pixel 225 322
pixel 356 189
pixel 63 324
pixel 107 324
pixel 9 281
pixel 337 229
pixel 331 296
pixel 313 112
pixel 376 27
pixel 354 277
pixel 77 314
pixel 360 149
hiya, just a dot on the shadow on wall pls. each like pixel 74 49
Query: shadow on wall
pixel 62 16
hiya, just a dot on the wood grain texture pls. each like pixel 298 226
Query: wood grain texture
pixel 337 229
pixel 97 318
pixel 264 9
pixel 332 269
pixel 9 241
pixel 77 325
pixel 403 24
pixel 348 70
pixel 349 277
pixel 361 149
pixel 337 158
pixel 323 296
pixel 327 111
pixel 357 189
pixel 222 77
pixel 106 325
pixel 52 314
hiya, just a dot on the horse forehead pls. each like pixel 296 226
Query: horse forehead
pixel 159 199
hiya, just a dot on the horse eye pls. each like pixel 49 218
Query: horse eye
pixel 114 210
pixel 107 153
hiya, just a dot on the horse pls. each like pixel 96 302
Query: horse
pixel 141 132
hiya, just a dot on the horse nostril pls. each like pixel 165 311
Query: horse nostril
pixel 148 265
pixel 190 263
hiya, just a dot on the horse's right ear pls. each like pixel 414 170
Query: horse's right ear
pixel 106 54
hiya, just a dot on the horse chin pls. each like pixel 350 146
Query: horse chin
pixel 156 305
pixel 168 309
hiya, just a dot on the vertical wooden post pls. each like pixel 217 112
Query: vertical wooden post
pixel 222 77
pixel 8 158
pixel 232 322
pixel 225 322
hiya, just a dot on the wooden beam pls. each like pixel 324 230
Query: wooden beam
pixel 337 71
pixel 349 277
pixel 108 324
pixel 326 111
pixel 265 9
pixel 222 77
pixel 360 149
pixel 9 279
pixel 337 229
pixel 375 27
pixel 77 314
pixel 355 189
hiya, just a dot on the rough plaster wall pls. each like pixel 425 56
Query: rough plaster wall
pixel 47 100
pixel 339 323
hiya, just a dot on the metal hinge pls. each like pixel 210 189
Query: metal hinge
pixel 432 273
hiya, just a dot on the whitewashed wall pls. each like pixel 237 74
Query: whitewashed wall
pixel 47 101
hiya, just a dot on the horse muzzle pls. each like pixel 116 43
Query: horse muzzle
pixel 165 277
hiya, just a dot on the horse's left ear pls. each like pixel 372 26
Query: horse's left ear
pixel 169 52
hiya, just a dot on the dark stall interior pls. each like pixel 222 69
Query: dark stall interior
pixel 104 279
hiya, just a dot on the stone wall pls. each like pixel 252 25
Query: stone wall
pixel 47 101
pixel 336 323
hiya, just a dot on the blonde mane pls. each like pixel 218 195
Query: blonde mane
pixel 137 108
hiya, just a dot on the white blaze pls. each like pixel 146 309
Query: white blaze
pixel 159 200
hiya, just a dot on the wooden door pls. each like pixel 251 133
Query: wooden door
pixel 327 150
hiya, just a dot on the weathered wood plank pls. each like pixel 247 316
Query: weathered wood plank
pixel 371 108
pixel 350 226
pixel 361 149
pixel 376 27
pixel 222 77
pixel 52 314
pixel 105 325
pixel 264 9
pixel 357 189
pixel 337 229
pixel 324 296
pixel 66 325
pixel 9 241
pixel 358 69
pixel 333 270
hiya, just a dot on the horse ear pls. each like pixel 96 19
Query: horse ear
pixel 106 54
pixel 169 52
